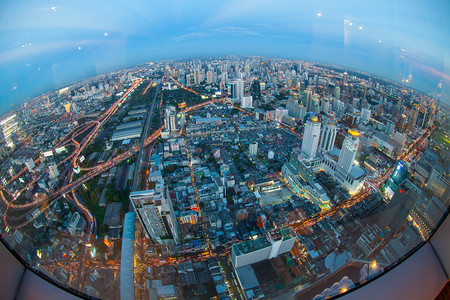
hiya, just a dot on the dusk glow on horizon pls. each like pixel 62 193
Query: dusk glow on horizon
pixel 50 37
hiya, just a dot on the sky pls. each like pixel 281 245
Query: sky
pixel 45 45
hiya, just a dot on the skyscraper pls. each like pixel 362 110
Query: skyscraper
pixel 209 77
pixel 53 171
pixel 9 126
pixel 311 136
pixel 348 151
pixel 328 136
pixel 253 148
pixel 247 102
pixel 307 99
pixel 404 199
pixel 390 127
pixel 237 89
pixel 365 115
pixel 170 119
pixel 337 92
pixel 155 211
pixel 345 78
pixel 196 76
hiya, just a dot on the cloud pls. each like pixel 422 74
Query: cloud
pixel 193 35
pixel 236 31
pixel 229 30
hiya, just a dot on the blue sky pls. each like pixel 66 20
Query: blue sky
pixel 46 44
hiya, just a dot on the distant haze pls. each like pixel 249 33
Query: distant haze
pixel 47 44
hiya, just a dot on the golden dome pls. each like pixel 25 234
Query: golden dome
pixel 353 132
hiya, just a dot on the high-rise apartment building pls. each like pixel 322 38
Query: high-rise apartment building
pixel 170 119
pixel 197 78
pixel 253 148
pixel 209 77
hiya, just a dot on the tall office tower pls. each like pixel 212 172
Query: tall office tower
pixel 328 136
pixel 170 119
pixel 311 137
pixel 209 77
pixel 196 76
pixel 315 106
pixel 337 92
pixel 247 102
pixel 390 127
pixel 414 116
pixel 291 106
pixel 225 76
pixel 53 171
pixel 325 105
pixel 307 99
pixel 397 211
pixel 345 78
pixel 348 151
pixel 398 176
pixel 188 80
pixel 10 127
pixel 237 89
pixel 439 179
pixel 253 148
pixel 240 88
pixel 256 89
pixel 155 212
pixel 365 115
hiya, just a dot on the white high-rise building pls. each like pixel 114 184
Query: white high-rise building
pixel 155 211
pixel 170 119
pixel 9 127
pixel 253 148
pixel 30 164
pixel 328 136
pixel 348 151
pixel 247 102
pixel 365 115
pixel 337 92
pixel 311 137
pixel 237 89
pixel 53 171
pixel 280 113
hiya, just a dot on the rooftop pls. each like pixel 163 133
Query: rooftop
pixel 251 245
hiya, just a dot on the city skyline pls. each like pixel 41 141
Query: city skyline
pixel 169 177
pixel 46 46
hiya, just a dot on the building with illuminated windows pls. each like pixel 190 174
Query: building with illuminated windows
pixel 311 137
pixel 155 212
pixel 340 164
pixel 9 128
